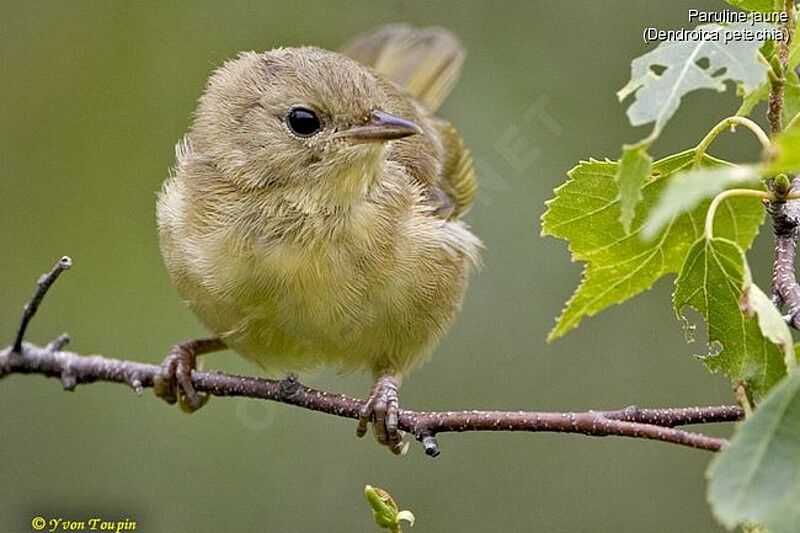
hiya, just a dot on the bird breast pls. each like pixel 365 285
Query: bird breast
pixel 370 287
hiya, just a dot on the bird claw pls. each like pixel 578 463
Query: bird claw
pixel 174 382
pixel 383 411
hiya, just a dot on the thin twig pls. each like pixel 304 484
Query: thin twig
pixel 74 369
pixel 785 214
pixel 776 96
pixel 42 286
pixel 785 220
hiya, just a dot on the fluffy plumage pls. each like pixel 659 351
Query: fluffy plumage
pixel 307 251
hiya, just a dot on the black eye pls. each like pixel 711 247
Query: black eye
pixel 303 122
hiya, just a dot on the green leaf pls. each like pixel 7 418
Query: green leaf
pixel 791 97
pixel 752 98
pixel 786 158
pixel 794 55
pixel 688 188
pixel 756 478
pixel 752 5
pixel 619 265
pixel 712 281
pixel 658 96
pixel 634 168
pixel 770 322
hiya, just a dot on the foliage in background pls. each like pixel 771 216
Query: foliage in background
pixel 101 93
pixel 633 221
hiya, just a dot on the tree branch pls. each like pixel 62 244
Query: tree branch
pixel 42 286
pixel 785 214
pixel 785 220
pixel 775 101
pixel 74 369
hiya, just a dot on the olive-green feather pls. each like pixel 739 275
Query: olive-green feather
pixel 460 181
pixel 424 62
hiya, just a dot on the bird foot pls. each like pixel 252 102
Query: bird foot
pixel 174 383
pixel 382 410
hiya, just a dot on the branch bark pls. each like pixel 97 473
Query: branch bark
pixel 775 101
pixel 73 369
pixel 656 424
pixel 785 220
pixel 785 214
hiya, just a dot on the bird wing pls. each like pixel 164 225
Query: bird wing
pixel 460 181
pixel 425 63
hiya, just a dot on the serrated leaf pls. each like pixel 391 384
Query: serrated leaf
pixel 619 265
pixel 752 5
pixel 658 96
pixel 786 158
pixel 712 281
pixel 635 166
pixel 688 188
pixel 756 478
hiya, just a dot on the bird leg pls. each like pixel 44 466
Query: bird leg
pixel 174 383
pixel 383 411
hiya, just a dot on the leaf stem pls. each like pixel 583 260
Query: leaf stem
pixel 723 125
pixel 712 209
pixel 794 122
pixel 770 71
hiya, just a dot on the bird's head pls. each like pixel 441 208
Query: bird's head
pixel 301 118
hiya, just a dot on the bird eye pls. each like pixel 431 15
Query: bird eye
pixel 303 122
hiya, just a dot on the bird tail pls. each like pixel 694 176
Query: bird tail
pixel 424 62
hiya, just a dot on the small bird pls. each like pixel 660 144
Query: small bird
pixel 314 214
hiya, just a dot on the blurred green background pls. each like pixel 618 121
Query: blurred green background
pixel 95 95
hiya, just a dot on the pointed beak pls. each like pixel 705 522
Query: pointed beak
pixel 381 127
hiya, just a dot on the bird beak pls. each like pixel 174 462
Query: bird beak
pixel 381 127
